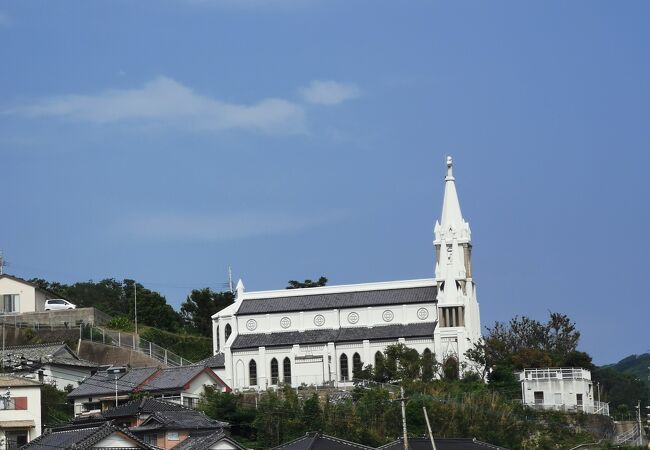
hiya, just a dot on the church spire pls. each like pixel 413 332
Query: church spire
pixel 452 235
pixel 451 215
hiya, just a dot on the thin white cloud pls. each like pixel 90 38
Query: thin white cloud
pixel 164 100
pixel 220 227
pixel 329 92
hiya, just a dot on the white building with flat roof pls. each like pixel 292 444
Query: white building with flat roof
pixel 561 389
pixel 319 335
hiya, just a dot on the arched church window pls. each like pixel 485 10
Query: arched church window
pixel 345 375
pixel 379 358
pixel 275 371
pixel 252 372
pixel 227 332
pixel 427 365
pixel 357 365
pixel 286 370
pixel 218 339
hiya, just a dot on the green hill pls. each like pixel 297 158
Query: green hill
pixel 635 365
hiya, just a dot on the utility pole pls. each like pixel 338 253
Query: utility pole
pixel 426 417
pixel 403 400
pixel 135 298
pixel 230 288
pixel 638 423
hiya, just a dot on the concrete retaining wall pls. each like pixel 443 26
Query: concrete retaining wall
pixel 110 355
pixel 69 317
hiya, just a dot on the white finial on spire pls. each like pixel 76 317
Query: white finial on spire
pixel 450 175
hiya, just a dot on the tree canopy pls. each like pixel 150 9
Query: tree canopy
pixel 293 284
pixel 200 306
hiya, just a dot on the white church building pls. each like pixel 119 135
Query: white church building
pixel 317 336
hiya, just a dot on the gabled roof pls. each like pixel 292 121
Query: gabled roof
pixel 328 298
pixel 423 329
pixel 201 440
pixel 29 283
pixel 14 381
pixel 441 444
pixel 57 353
pixel 319 441
pixel 217 361
pixel 80 438
pixel 173 378
pixel 103 383
pixel 179 420
pixel 146 405
pixel 148 379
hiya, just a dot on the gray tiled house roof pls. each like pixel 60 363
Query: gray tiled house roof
pixel 399 296
pixel 146 405
pixel 318 441
pixel 202 440
pixel 332 335
pixel 80 438
pixel 102 383
pixel 173 378
pixel 217 361
pixel 179 420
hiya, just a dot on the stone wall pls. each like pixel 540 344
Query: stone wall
pixel 111 355
pixel 69 317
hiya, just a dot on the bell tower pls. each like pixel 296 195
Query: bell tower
pixel 458 311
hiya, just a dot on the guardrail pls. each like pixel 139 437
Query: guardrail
pixel 597 408
pixel 133 342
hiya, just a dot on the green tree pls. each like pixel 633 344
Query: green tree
pixel 153 309
pixel 293 284
pixel 201 304
pixel 55 409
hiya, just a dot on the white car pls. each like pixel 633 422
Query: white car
pixel 55 304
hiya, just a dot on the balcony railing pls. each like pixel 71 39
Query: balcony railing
pixel 555 373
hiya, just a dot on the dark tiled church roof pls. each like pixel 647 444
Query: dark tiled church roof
pixel 399 296
pixel 329 335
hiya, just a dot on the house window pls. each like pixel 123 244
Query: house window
pixel 190 402
pixel 15 439
pixel 252 372
pixel 451 316
pixel 7 403
pixel 151 439
pixel 345 376
pixel 227 332
pixel 286 370
pixel 172 435
pixel 357 365
pixel 539 397
pixel 10 303
pixel 275 371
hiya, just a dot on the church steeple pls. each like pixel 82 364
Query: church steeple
pixel 452 243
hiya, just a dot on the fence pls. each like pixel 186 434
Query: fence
pixel 133 342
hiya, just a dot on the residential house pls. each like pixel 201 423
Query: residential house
pixel 53 363
pixel 99 436
pixel 20 411
pixel 167 429
pixel 19 296
pixel 183 385
pixel 216 440
pixel 563 389
pixel 319 441
pixel 320 335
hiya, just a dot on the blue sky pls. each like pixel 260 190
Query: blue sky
pixel 164 141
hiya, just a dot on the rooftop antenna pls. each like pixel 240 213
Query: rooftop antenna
pixel 230 288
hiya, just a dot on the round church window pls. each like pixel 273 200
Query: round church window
pixel 423 313
pixel 353 318
pixel 319 320
pixel 251 324
pixel 285 322
pixel 388 315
